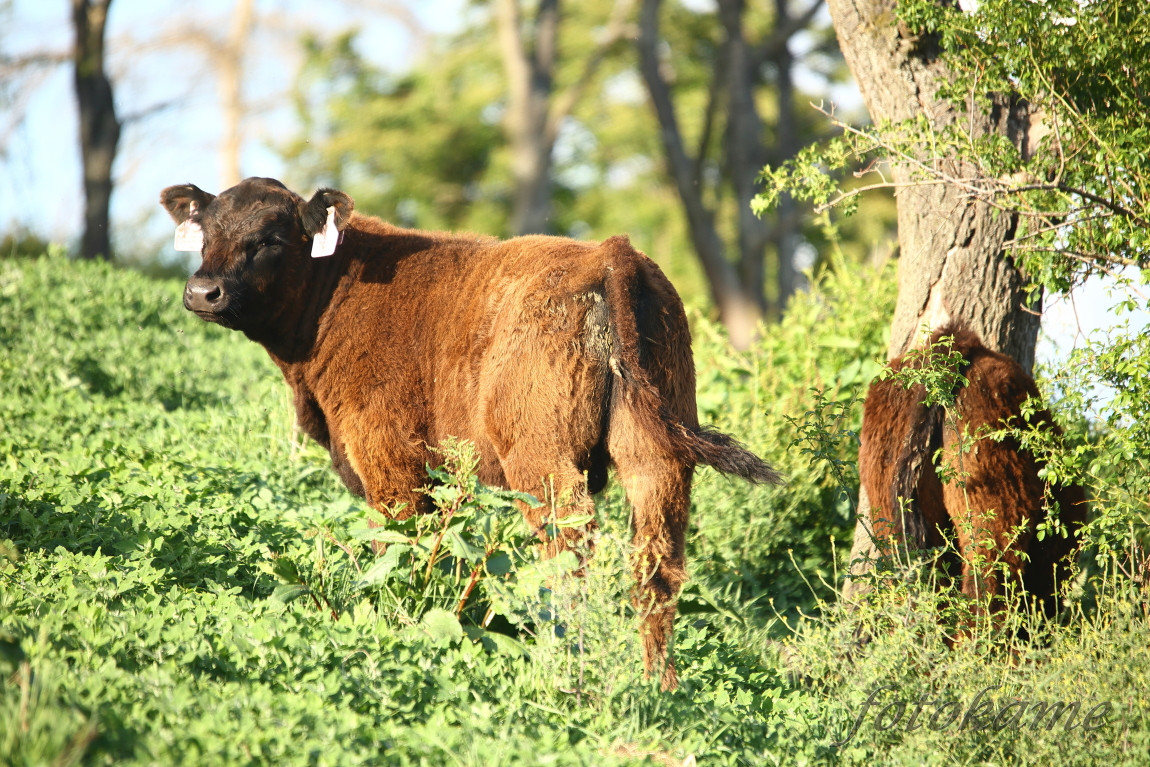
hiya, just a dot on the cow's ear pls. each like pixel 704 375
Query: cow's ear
pixel 178 201
pixel 314 211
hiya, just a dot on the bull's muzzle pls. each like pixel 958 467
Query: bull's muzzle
pixel 204 295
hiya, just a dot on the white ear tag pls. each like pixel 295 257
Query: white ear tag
pixel 189 237
pixel 325 240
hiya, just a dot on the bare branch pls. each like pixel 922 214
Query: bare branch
pixel 14 65
pixel 770 47
pixel 151 111
pixel 617 29
pixel 400 11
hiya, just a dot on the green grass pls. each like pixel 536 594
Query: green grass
pixel 181 584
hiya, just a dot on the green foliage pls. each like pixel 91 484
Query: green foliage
pixel 181 583
pixel 23 244
pixel 419 149
pixel 937 367
pixel 776 544
pixel 1084 194
pixel 1082 187
pixel 1102 398
pixel 898 646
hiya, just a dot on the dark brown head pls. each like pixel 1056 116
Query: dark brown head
pixel 257 245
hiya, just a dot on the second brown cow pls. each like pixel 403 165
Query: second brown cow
pixel 556 358
pixel 994 517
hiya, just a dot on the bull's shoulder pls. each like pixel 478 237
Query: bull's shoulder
pixel 370 236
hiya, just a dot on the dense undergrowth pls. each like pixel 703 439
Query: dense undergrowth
pixel 183 582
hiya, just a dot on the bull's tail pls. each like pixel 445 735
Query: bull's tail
pixel 633 393
pixel 653 437
pixel 665 412
pixel 712 447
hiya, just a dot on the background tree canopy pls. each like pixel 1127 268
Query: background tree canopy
pixel 435 147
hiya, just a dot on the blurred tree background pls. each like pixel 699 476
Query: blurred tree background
pixel 582 119
pixel 541 117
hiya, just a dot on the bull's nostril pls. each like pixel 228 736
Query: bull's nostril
pixel 204 295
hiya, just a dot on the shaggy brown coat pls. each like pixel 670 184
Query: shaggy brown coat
pixel 556 358
pixel 994 520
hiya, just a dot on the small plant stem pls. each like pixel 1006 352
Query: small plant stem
pixel 476 573
pixel 438 540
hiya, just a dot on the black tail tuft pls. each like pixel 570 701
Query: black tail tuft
pixel 723 452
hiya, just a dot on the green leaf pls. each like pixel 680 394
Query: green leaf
pixel 499 563
pixel 287 593
pixel 379 571
pixel 494 642
pixel 461 548
pixel 442 626
pixel 380 535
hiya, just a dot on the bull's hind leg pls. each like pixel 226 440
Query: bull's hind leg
pixel 565 520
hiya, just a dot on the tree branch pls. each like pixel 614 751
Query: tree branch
pixel 13 65
pixel 617 29
pixel 770 47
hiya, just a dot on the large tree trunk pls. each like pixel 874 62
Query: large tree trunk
pixel 99 127
pixel 531 75
pixel 952 261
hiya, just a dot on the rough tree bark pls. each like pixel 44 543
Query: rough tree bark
pixel 99 126
pixel 535 110
pixel 952 263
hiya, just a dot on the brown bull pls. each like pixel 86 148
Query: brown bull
pixel 994 520
pixel 556 358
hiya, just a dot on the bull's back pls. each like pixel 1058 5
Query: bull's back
pixel 427 317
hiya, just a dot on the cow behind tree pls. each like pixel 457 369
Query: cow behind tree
pixel 556 358
pixel 994 518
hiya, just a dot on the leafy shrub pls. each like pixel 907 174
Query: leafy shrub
pixel 804 380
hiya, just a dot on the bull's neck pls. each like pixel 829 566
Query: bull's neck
pixel 299 330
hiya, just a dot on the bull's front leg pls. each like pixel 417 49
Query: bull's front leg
pixel 384 467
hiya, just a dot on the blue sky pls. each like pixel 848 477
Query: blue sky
pixel 40 183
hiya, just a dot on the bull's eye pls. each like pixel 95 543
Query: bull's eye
pixel 266 248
